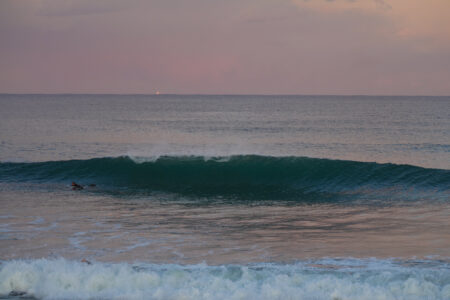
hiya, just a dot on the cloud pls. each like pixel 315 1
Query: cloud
pixel 330 6
pixel 383 4
pixel 67 8
pixel 425 21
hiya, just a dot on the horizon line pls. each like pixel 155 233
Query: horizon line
pixel 237 94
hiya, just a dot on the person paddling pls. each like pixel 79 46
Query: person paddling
pixel 76 186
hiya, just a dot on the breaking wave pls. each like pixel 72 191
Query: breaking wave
pixel 320 279
pixel 240 176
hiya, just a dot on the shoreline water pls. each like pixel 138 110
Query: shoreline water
pixel 321 279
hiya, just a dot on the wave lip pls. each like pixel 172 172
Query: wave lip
pixel 326 279
pixel 239 176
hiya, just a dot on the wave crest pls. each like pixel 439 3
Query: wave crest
pixel 240 176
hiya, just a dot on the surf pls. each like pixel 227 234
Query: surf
pixel 310 279
pixel 238 176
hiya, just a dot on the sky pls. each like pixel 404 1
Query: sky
pixel 343 47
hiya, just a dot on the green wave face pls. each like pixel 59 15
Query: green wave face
pixel 241 177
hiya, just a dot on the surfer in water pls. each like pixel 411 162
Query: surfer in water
pixel 76 186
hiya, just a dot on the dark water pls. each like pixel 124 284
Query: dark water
pixel 223 197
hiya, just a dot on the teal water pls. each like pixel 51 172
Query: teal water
pixel 224 197
pixel 244 177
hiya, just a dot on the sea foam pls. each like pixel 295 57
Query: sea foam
pixel 323 279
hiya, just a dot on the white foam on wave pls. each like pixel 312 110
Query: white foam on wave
pixel 37 220
pixel 219 152
pixel 352 279
pixel 144 159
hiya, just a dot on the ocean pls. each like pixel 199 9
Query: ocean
pixel 224 197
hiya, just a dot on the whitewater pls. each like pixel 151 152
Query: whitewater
pixel 325 279
pixel 224 197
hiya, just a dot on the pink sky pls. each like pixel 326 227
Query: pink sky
pixel 390 47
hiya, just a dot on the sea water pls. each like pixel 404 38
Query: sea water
pixel 224 197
